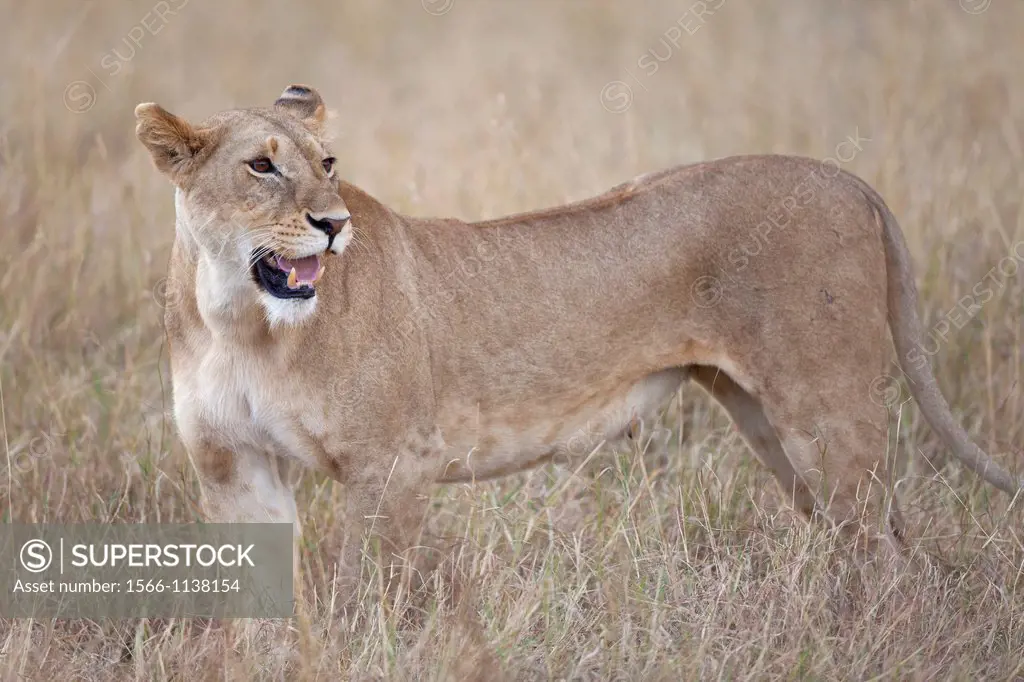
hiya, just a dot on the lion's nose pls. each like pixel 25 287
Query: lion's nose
pixel 329 224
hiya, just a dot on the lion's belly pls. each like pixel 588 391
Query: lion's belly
pixel 482 446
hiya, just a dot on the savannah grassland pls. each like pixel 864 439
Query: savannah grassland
pixel 664 561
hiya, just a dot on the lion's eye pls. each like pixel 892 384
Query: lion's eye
pixel 261 165
pixel 328 164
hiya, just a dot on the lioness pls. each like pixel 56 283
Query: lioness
pixel 313 325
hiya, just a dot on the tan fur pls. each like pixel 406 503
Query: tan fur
pixel 438 350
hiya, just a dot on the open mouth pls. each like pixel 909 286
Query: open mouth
pixel 288 278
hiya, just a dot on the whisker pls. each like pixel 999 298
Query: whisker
pixel 262 244
pixel 359 242
pixel 257 255
pixel 258 231
pixel 263 239
pixel 261 251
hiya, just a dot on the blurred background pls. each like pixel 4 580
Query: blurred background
pixel 475 109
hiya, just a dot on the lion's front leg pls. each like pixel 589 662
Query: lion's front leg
pixel 385 523
pixel 385 510
pixel 244 486
pixel 247 486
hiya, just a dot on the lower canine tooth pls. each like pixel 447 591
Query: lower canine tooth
pixel 319 274
pixel 293 279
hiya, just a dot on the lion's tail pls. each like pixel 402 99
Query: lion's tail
pixel 907 333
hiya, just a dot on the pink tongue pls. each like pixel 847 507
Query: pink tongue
pixel 305 268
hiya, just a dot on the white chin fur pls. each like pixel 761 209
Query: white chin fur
pixel 287 311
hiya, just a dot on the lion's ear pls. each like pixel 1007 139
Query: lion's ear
pixel 176 147
pixel 304 103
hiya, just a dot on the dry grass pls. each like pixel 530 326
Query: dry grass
pixel 672 565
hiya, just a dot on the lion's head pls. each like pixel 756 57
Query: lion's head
pixel 256 191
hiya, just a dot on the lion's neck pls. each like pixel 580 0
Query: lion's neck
pixel 223 296
pixel 221 292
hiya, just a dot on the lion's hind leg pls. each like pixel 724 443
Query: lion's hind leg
pixel 747 414
pixel 830 462
pixel 836 439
